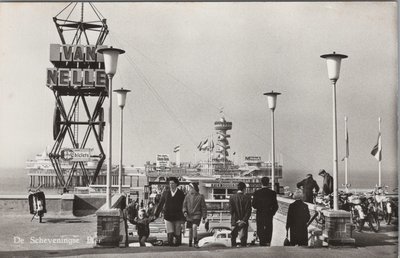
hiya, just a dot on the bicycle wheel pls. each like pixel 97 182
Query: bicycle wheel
pixel 374 223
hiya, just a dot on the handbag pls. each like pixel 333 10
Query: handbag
pixel 286 242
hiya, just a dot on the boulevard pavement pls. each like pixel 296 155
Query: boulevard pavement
pixel 73 236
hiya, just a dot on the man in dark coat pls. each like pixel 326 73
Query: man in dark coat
pixel 297 218
pixel 240 209
pixel 264 201
pixel 327 186
pixel 171 203
pixel 308 185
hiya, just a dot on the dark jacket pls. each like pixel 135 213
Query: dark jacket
pixel 171 206
pixel 143 227
pixel 308 185
pixel 297 218
pixel 264 201
pixel 131 213
pixel 327 187
pixel 240 207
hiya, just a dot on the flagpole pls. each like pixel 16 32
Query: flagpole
pixel 209 156
pixel 379 163
pixel 178 156
pixel 346 157
pixel 209 153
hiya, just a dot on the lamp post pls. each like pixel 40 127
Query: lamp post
pixel 333 62
pixel 110 64
pixel 271 98
pixel 121 98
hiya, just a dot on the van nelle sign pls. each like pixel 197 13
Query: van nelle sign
pixel 75 154
pixel 76 66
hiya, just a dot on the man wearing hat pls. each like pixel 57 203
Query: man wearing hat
pixel 240 209
pixel 308 185
pixel 194 209
pixel 327 186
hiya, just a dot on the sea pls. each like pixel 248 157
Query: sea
pixel 16 181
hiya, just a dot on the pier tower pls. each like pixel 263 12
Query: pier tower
pixel 222 127
pixel 78 81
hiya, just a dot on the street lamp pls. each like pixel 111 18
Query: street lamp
pixel 110 64
pixel 271 98
pixel 333 62
pixel 121 98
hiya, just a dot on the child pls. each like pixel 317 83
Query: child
pixel 194 209
pixel 143 228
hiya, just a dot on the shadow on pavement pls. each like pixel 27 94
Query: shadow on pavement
pixel 65 220
pixel 365 239
pixel 101 250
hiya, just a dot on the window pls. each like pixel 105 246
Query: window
pixel 231 191
pixel 219 194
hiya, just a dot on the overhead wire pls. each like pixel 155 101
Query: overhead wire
pixel 166 107
pixel 180 82
pixel 216 107
pixel 64 9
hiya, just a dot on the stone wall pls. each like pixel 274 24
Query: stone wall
pixel 66 204
pixel 19 204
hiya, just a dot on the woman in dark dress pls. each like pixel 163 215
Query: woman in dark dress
pixel 297 218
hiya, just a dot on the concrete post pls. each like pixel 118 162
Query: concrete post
pixel 338 228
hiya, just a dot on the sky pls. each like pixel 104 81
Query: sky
pixel 184 61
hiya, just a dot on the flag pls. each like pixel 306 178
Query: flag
pixel 211 145
pixel 199 146
pixel 347 145
pixel 377 150
pixel 177 148
pixel 205 146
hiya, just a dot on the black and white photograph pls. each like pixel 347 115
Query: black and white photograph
pixel 199 129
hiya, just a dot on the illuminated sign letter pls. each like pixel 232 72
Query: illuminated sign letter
pixel 100 76
pixel 63 78
pixel 66 53
pixel 78 54
pixel 90 55
pixel 76 75
pixel 51 76
pixel 88 78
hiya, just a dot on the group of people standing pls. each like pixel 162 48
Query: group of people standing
pixel 310 186
pixel 266 204
pixel 178 208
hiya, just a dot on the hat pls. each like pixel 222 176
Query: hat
pixel 308 175
pixel 194 186
pixel 321 171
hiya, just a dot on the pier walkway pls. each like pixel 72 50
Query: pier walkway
pixel 73 236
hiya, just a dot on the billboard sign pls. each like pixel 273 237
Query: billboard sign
pixel 162 161
pixel 75 154
pixel 252 158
